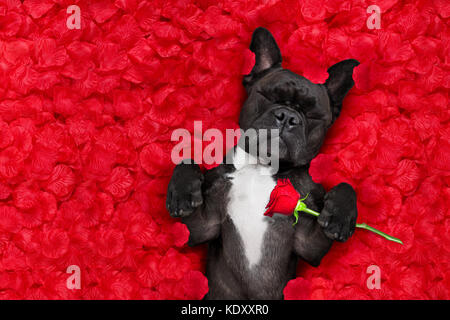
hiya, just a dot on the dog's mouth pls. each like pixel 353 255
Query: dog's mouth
pixel 277 148
pixel 283 149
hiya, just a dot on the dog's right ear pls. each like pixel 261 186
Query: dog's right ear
pixel 267 54
pixel 339 82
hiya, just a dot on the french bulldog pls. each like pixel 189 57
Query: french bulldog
pixel 252 256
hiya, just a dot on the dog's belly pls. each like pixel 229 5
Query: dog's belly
pixel 249 194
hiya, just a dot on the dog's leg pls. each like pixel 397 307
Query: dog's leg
pixel 310 242
pixel 338 216
pixel 337 221
pixel 185 199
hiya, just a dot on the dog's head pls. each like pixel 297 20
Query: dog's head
pixel 302 111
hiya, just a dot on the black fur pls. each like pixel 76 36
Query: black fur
pixel 302 111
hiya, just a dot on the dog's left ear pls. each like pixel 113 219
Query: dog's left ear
pixel 267 54
pixel 339 82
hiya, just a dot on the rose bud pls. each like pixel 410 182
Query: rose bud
pixel 283 199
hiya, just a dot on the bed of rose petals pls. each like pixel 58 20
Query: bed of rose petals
pixel 86 118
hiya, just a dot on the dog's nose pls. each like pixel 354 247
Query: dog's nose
pixel 287 117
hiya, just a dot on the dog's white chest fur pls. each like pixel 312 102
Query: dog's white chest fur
pixel 249 194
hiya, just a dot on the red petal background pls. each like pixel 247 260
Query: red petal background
pixel 86 117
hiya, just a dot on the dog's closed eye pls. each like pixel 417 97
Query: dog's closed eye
pixel 297 98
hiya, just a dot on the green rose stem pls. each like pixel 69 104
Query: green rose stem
pixel 301 207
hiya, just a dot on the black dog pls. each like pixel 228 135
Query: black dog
pixel 251 256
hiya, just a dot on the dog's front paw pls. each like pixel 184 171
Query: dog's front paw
pixel 338 217
pixel 184 193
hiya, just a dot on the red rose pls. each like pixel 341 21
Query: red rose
pixel 283 199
